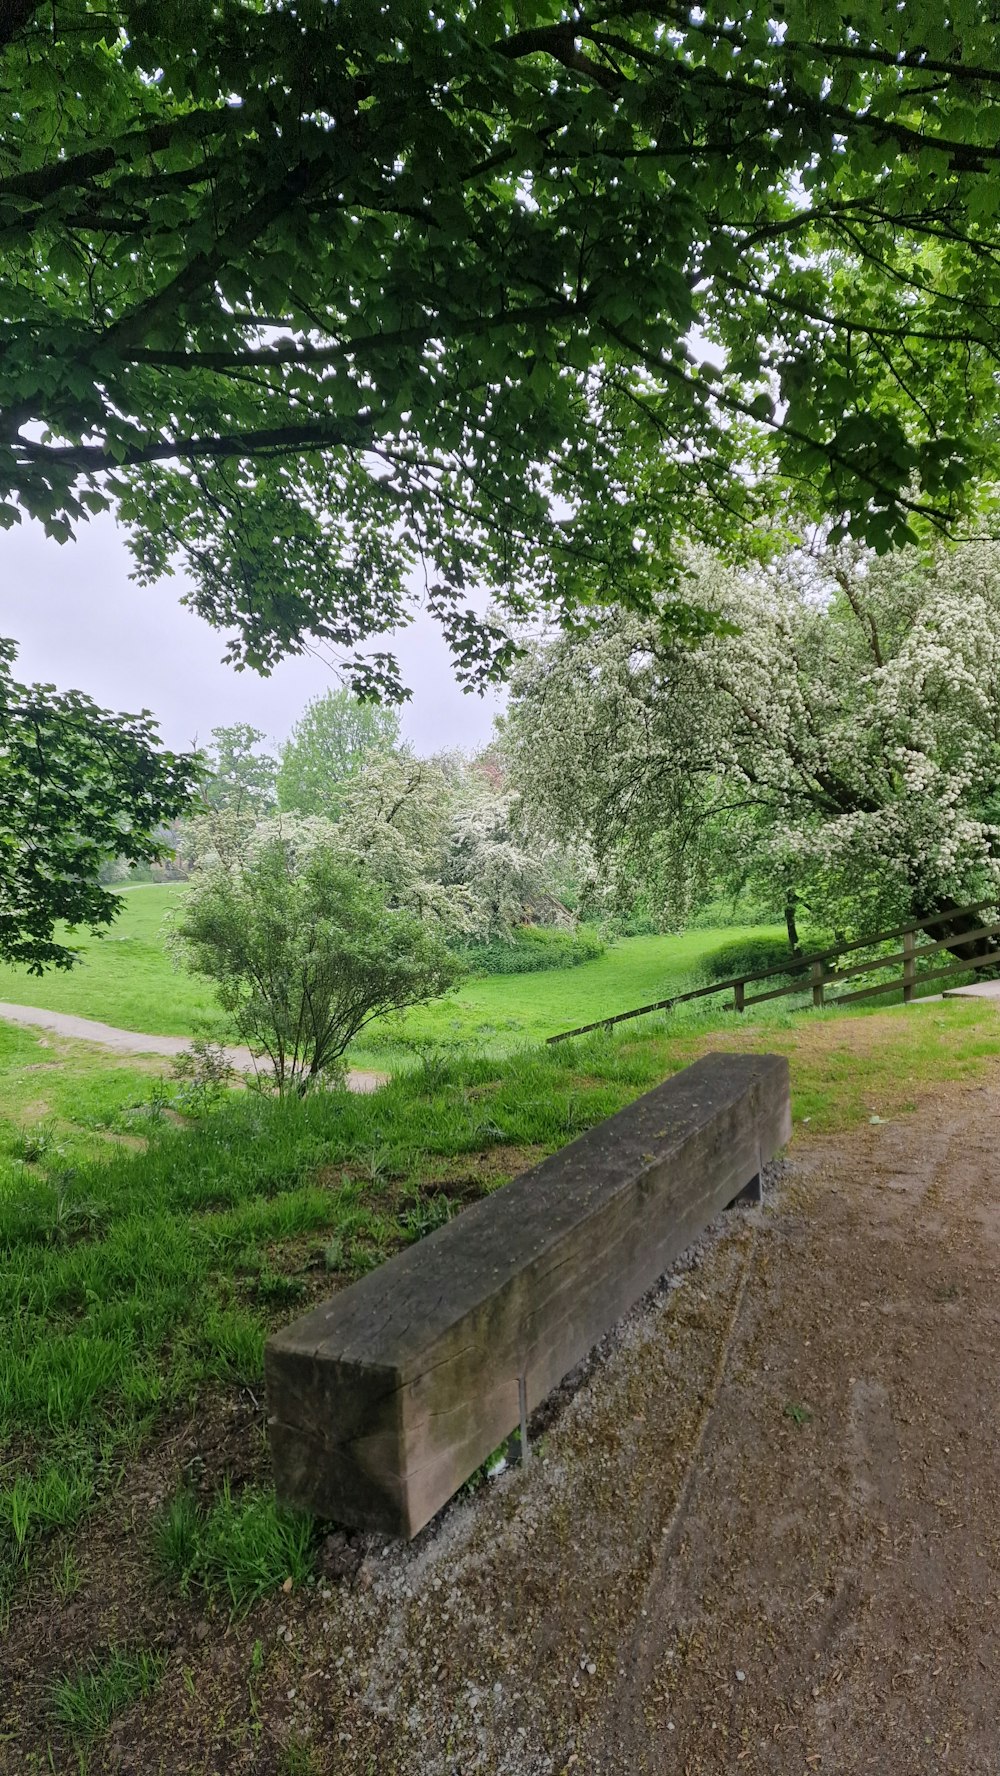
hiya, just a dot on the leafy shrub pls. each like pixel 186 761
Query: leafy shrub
pixel 535 947
pixel 751 955
pixel 304 950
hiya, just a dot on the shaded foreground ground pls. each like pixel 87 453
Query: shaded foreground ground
pixel 761 1535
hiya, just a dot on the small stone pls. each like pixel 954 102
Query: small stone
pixel 591 1669
pixel 286 1587
pixel 741 1677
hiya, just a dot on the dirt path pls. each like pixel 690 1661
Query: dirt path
pixel 761 1537
pixel 131 1042
pixel 840 1543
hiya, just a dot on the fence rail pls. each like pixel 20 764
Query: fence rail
pixel 812 976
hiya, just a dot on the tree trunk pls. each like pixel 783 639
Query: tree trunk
pixel 791 902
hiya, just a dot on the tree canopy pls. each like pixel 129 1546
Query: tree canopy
pixel 321 295
pixel 240 776
pixel 330 743
pixel 840 744
pixel 78 787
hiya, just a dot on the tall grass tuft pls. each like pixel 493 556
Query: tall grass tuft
pixel 240 1549
pixel 85 1702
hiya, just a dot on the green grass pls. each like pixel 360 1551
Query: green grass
pixel 125 977
pixel 86 1702
pixel 63 1101
pixel 498 1013
pixel 239 1549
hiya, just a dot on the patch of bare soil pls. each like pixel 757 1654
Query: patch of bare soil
pixel 760 1535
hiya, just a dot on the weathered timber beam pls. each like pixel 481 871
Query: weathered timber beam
pixel 383 1400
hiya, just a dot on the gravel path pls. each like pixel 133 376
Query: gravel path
pixel 63 1023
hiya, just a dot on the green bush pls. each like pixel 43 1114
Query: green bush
pixel 751 955
pixel 732 912
pixel 535 947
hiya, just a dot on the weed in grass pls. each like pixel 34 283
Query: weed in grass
pixel 72 1214
pixel 67 1577
pixel 275 1290
pixel 240 1549
pixel 359 1259
pixel 427 1215
pixel 85 1702
pixel 379 1165
pixel 35 1144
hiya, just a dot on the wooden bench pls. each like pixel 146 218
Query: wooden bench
pixel 383 1400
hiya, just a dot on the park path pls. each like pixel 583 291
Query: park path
pixel 64 1023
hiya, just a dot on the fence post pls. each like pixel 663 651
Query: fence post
pixel 909 966
pixel 739 994
pixel 816 976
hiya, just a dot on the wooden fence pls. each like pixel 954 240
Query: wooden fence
pixel 814 974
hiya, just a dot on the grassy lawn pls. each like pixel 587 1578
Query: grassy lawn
pixel 127 978
pixel 496 1013
pixel 63 1102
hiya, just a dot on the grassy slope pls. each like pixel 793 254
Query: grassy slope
pixel 500 1012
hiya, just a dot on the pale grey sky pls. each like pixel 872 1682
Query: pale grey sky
pixel 81 623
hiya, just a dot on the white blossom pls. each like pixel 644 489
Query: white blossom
pixel 838 738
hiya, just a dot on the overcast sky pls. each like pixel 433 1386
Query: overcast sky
pixel 81 623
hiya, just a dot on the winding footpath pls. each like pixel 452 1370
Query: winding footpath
pixel 82 1029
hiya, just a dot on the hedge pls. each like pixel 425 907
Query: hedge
pixel 535 947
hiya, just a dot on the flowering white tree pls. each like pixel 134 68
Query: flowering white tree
pixel 838 744
pixel 435 833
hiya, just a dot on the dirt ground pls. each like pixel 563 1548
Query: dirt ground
pixel 761 1534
